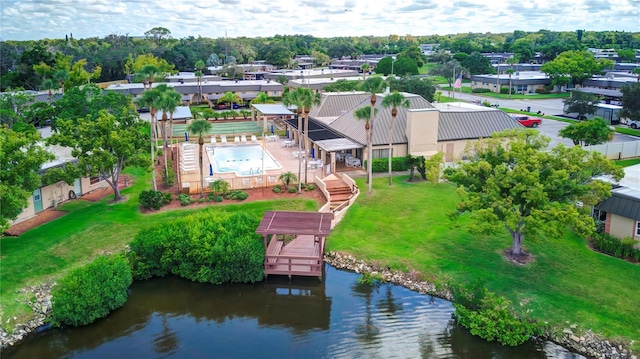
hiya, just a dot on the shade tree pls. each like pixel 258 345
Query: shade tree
pixel 512 182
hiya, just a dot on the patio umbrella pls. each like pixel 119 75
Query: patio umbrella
pixel 287 134
pixel 186 137
pixel 272 129
pixel 313 152
pixel 210 170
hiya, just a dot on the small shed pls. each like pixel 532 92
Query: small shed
pixel 294 242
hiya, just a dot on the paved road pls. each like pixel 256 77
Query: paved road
pixel 548 127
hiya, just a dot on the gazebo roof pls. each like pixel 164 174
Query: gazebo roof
pixel 272 109
pixel 289 222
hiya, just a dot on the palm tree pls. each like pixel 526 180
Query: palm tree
pixel 365 70
pixel 394 100
pixel 147 73
pixel 287 178
pixel 151 100
pixel 61 76
pixel 309 99
pixel 169 100
pixel 295 98
pixel 510 72
pixel 49 85
pixel 230 98
pixel 200 65
pixel 261 97
pixel 364 113
pixel 372 85
pixel 200 127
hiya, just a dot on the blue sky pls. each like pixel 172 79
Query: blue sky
pixel 39 19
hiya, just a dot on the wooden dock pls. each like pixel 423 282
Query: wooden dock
pixel 294 242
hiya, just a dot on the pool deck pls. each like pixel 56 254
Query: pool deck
pixel 189 172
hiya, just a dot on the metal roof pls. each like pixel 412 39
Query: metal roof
pixel 348 125
pixel 598 91
pixel 464 124
pixel 317 130
pixel 624 202
pixel 335 104
pixel 289 222
pixel 181 112
pixel 338 144
pixel 272 109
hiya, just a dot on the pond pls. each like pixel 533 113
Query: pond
pixel 301 318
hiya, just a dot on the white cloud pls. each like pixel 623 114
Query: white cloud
pixel 37 19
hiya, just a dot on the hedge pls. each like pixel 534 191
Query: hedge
pixel 611 245
pixel 382 164
pixel 91 292
pixel 214 247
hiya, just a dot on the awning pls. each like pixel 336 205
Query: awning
pixel 338 144
pixel 272 110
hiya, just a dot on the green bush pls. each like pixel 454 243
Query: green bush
pixel 154 199
pixel 292 190
pixel 504 90
pixel 490 317
pixel 542 90
pixel 171 180
pixel 611 245
pixel 91 292
pixel 210 196
pixel 433 167
pixel 480 90
pixel 486 103
pixel 215 247
pixel 382 164
pixel 310 187
pixel 238 195
pixel 184 199
pixel 276 189
pixel 217 199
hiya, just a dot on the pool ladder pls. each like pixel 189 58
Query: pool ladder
pixel 257 171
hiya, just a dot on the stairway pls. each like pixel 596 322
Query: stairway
pixel 339 191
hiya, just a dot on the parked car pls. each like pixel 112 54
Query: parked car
pixel 527 121
pixel 235 106
pixel 222 106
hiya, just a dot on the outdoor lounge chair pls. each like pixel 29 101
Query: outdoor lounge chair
pixel 243 138
pixel 213 139
pixel 223 139
pixel 254 138
pixel 236 139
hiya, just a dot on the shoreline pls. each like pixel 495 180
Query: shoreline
pixel 588 343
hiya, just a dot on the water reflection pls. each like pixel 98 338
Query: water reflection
pixel 304 318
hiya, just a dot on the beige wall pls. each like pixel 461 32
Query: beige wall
pixel 622 227
pixel 422 132
pixel 58 191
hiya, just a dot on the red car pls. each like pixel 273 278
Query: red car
pixel 527 121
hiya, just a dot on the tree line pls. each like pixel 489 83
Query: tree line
pixel 25 64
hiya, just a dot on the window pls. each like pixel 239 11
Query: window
pixel 599 215
pixel 637 228
pixel 380 153
pixel 94 180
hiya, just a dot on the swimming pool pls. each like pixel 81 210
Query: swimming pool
pixel 243 160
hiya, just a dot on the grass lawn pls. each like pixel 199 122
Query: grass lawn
pixel 467 89
pixel 51 250
pixel 627 163
pixel 567 282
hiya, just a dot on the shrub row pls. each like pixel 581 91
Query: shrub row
pixel 480 90
pixel 382 164
pixel 611 245
pixel 214 247
pixel 91 292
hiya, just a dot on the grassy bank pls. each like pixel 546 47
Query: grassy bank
pixel 49 251
pixel 567 282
